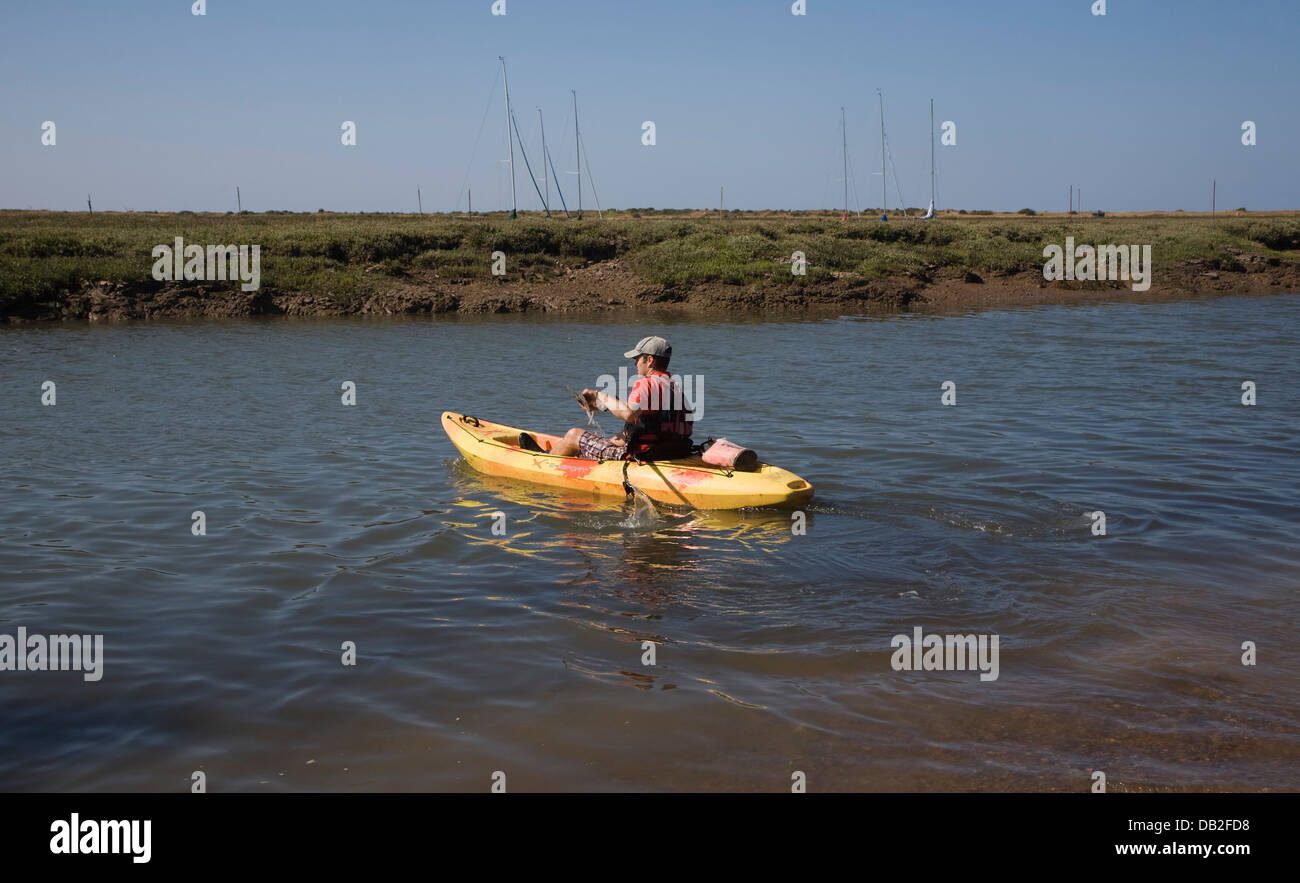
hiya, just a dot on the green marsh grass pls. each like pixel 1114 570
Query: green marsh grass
pixel 45 256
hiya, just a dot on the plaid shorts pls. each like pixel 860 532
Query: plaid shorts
pixel 596 447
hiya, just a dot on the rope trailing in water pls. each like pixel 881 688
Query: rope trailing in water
pixel 655 469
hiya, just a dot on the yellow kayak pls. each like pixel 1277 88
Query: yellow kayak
pixel 493 448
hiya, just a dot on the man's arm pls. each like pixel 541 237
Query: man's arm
pixel 605 402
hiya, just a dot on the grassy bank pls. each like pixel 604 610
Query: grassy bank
pixel 48 258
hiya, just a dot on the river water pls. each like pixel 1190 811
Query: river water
pixel 523 653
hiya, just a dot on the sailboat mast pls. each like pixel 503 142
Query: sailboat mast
pixel 932 154
pixel 884 200
pixel 577 145
pixel 844 132
pixel 547 201
pixel 514 207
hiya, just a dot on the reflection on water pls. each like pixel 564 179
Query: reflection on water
pixel 525 650
pixel 649 542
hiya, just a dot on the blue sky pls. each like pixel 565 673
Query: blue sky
pixel 156 108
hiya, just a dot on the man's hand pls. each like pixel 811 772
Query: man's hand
pixel 593 400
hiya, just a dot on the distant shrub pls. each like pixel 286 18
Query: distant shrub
pixel 886 233
pixel 939 235
pixel 1029 211
pixel 1017 234
pixel 1279 235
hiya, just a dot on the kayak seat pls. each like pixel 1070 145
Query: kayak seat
pixel 528 443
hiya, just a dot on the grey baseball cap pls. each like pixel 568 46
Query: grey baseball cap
pixel 650 346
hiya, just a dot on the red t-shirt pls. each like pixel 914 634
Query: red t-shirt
pixel 658 392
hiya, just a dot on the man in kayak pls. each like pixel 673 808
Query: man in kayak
pixel 654 416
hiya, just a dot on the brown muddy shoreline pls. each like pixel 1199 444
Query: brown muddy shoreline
pixel 606 287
